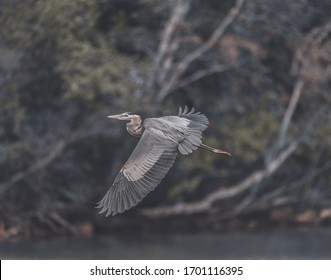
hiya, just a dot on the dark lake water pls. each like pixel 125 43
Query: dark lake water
pixel 298 244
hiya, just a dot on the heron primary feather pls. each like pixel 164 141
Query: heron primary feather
pixel 154 155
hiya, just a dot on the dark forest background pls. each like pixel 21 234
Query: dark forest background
pixel 260 70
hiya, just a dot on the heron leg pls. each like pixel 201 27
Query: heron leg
pixel 216 151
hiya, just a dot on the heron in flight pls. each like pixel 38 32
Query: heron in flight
pixel 154 155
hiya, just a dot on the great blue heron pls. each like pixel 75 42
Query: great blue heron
pixel 154 155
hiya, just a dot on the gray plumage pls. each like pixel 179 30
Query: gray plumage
pixel 153 156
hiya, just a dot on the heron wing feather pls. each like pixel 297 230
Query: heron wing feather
pixel 186 128
pixel 146 167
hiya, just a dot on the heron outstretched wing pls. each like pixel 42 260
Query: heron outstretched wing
pixel 146 167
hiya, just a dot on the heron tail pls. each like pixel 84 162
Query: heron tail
pixel 216 151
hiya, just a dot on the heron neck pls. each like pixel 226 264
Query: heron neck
pixel 134 126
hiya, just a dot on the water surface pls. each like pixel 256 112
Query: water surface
pixel 298 244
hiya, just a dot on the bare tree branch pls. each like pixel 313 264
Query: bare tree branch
pixel 289 112
pixel 169 44
pixel 302 54
pixel 203 73
pixel 62 222
pixel 186 61
pixel 266 200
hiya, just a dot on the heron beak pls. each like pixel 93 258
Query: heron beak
pixel 114 116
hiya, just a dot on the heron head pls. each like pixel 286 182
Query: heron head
pixel 127 116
